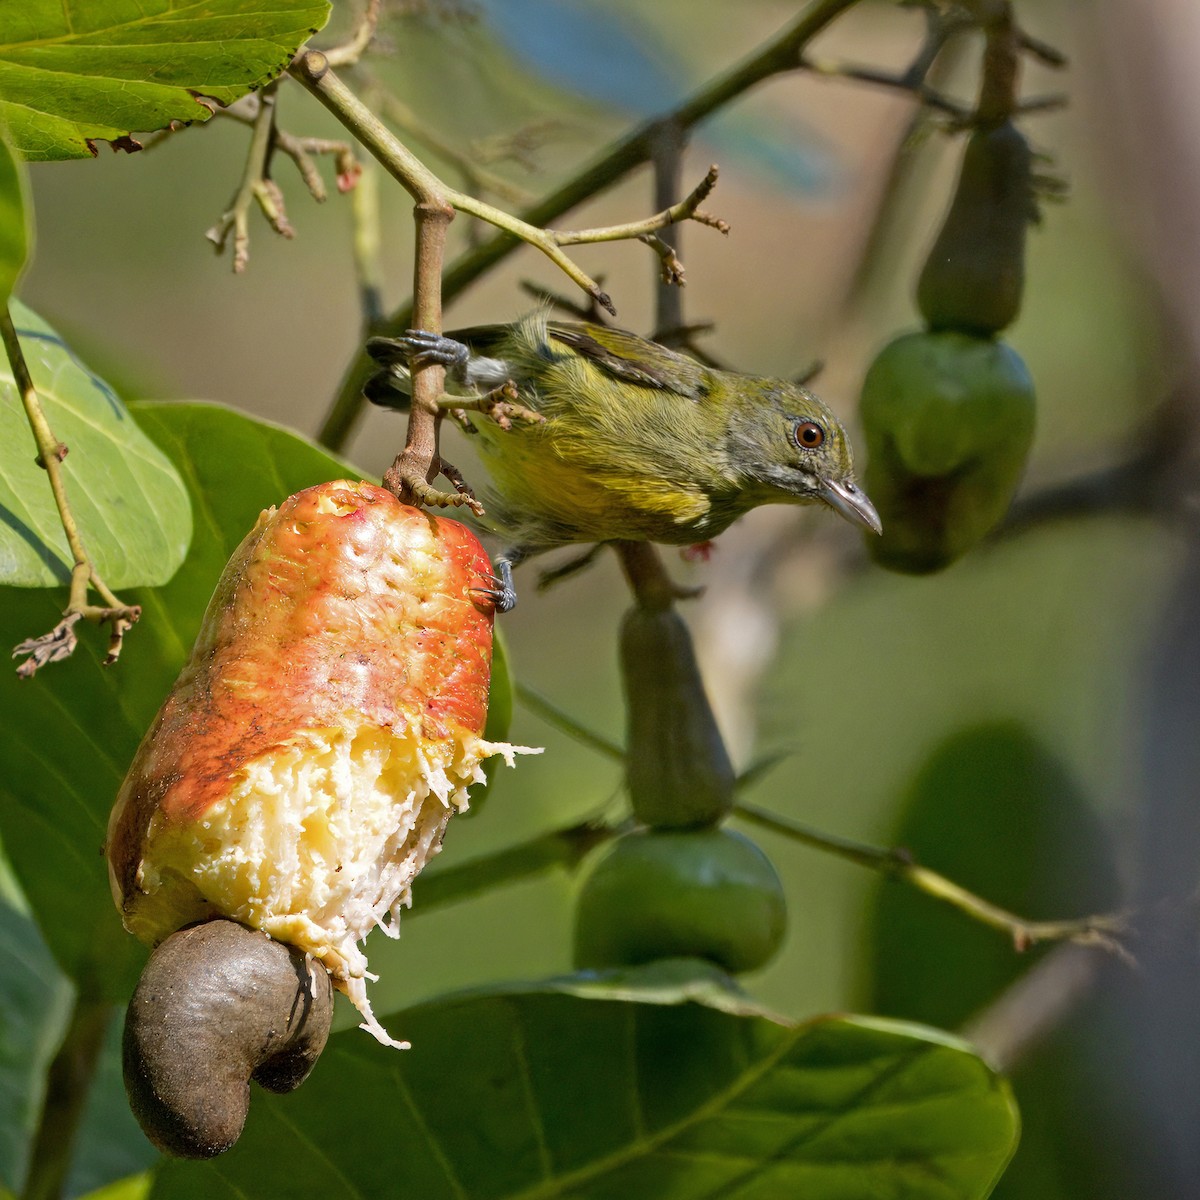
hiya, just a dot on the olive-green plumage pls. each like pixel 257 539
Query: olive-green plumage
pixel 638 442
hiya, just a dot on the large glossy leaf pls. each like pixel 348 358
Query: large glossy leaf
pixel 35 1007
pixel 552 1090
pixel 72 71
pixel 15 227
pixel 133 1187
pixel 34 1002
pixel 69 733
pixel 129 502
pixel 995 810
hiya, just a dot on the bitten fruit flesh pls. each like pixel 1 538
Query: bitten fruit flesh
pixel 327 725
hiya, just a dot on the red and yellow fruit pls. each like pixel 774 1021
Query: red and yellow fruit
pixel 327 725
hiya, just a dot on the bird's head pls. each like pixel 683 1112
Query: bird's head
pixel 785 445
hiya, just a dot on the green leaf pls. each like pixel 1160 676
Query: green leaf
pixel 129 502
pixel 35 999
pixel 72 71
pixel 132 1187
pixel 499 718
pixel 110 1145
pixel 541 1092
pixel 996 811
pixel 69 734
pixel 16 233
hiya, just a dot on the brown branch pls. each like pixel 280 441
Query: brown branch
pixel 652 587
pixel 411 476
pixel 256 187
pixel 310 69
pixel 1001 68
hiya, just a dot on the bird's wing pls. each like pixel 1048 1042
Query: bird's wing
pixel 632 359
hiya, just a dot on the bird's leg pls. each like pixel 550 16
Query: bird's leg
pixel 502 593
pixel 500 404
pixel 423 348
pixel 426 494
pixel 461 486
pixel 571 567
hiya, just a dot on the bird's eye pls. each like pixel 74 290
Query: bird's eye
pixel 809 435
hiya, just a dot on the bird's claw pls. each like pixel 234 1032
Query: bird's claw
pixel 501 593
pixel 434 349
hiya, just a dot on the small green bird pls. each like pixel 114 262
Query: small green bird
pixel 638 442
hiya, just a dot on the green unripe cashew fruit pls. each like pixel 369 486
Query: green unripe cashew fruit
pixel 975 274
pixel 696 893
pixel 949 421
pixel 677 769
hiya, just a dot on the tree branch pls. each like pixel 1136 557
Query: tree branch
pixel 558 848
pixel 1099 930
pixel 256 187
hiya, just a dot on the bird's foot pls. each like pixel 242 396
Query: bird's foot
pixel 425 349
pixel 413 488
pixel 500 405
pixel 501 593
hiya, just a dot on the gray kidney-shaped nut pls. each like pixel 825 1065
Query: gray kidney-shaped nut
pixel 218 1005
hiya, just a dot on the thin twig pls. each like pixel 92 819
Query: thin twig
pixel 903 82
pixel 311 70
pixel 1098 930
pixel 255 187
pixel 560 848
pixel 687 209
pixel 347 168
pixel 355 46
pixel 554 716
pixel 60 642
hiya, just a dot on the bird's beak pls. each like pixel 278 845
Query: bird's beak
pixel 847 498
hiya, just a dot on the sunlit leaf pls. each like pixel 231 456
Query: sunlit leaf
pixel 128 501
pixel 16 233
pixel 540 1091
pixel 34 1001
pixel 73 71
pixel 995 810
pixel 133 1187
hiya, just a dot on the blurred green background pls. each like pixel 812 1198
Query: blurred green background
pixel 860 675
